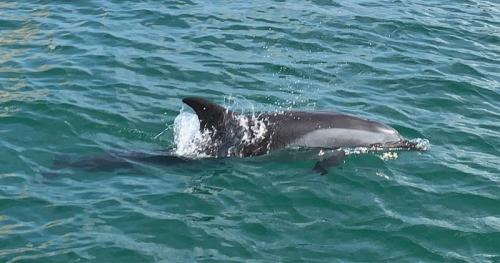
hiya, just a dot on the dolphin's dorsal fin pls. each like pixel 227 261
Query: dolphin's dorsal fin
pixel 211 115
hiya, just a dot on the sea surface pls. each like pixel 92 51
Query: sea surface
pixel 83 79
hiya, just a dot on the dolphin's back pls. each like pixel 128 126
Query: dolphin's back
pixel 327 130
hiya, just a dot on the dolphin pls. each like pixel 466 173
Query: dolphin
pixel 233 134
pixel 226 134
pixel 111 161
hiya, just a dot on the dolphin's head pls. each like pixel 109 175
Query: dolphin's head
pixel 331 130
pixel 389 134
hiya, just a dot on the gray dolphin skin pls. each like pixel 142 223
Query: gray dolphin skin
pixel 240 135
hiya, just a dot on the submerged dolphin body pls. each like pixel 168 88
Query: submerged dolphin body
pixel 113 161
pixel 232 134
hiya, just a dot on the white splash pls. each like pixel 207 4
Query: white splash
pixel 244 131
pixel 253 129
pixel 357 150
pixel 187 136
pixel 389 156
pixel 421 144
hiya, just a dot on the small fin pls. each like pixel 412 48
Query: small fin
pixel 336 159
pixel 211 115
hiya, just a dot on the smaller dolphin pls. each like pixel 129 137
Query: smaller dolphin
pixel 112 161
pixel 233 134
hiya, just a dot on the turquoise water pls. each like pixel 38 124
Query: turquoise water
pixel 79 79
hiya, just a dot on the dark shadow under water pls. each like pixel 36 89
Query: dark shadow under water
pixel 108 162
pixel 114 161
